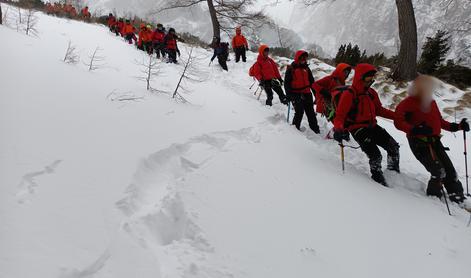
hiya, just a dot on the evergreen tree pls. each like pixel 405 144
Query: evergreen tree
pixel 340 57
pixel 434 52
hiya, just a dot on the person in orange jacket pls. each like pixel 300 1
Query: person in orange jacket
pixel 128 32
pixel 145 39
pixel 265 70
pixel 49 8
pixel 85 14
pixel 239 45
pixel 325 86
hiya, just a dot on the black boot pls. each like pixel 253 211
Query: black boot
pixel 269 102
pixel 457 198
pixel 379 178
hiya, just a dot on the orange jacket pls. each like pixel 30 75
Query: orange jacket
pixel 239 40
pixel 84 12
pixel 329 83
pixel 145 35
pixel 128 28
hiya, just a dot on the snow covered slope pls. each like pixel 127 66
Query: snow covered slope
pixel 92 186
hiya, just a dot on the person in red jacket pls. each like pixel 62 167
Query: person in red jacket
pixel 119 27
pixel 356 113
pixel 128 32
pixel 325 86
pixel 171 46
pixel 298 86
pixel 111 23
pixel 419 117
pixel 158 40
pixel 267 73
pixel 85 13
pixel 239 45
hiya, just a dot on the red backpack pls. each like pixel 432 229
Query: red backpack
pixel 253 70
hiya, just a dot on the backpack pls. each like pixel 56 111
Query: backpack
pixel 252 70
pixel 332 107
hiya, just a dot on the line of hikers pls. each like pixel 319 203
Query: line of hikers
pixel 221 49
pixel 353 110
pixel 159 41
pixel 67 10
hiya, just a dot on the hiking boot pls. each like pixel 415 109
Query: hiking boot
pixel 379 178
pixel 269 102
pixel 458 198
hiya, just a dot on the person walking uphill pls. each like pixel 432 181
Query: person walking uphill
pixel 298 86
pixel 239 45
pixel 356 113
pixel 171 46
pixel 145 39
pixel 265 70
pixel 419 117
pixel 158 40
pixel 221 51
pixel 325 86
pixel 128 32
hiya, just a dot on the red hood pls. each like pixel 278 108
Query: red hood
pixel 260 52
pixel 339 72
pixel 360 70
pixel 298 54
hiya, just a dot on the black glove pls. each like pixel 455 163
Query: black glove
pixel 340 135
pixel 464 125
pixel 281 81
pixel 247 48
pixel 454 127
pixel 261 83
pixel 422 129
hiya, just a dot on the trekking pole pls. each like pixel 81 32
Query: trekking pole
pixel 261 91
pixel 469 222
pixel 250 88
pixel 289 108
pixel 446 201
pixel 342 156
pixel 466 163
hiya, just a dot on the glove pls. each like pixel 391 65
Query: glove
pixel 281 81
pixel 247 48
pixel 340 135
pixel 261 83
pixel 422 129
pixel 454 127
pixel 464 125
pixel 178 52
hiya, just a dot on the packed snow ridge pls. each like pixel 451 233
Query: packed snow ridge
pixel 101 178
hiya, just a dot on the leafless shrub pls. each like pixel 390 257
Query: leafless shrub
pixel 149 68
pixel 191 72
pixel 123 97
pixel 30 21
pixel 96 61
pixel 71 56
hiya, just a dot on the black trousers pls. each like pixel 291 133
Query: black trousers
pixel 304 103
pixel 222 60
pixel 435 159
pixel 240 52
pixel 369 138
pixel 159 49
pixel 269 87
pixel 172 55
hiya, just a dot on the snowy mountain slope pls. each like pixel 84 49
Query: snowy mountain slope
pixel 221 187
pixel 372 24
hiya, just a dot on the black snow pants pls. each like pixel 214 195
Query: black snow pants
pixel 240 52
pixel 159 48
pixel 269 86
pixel 369 138
pixel 172 55
pixel 304 103
pixel 222 60
pixel 431 153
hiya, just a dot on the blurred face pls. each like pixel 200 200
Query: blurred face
pixel 303 59
pixel 266 52
pixel 423 88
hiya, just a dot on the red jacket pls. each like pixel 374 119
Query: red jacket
pixel 329 83
pixel 128 28
pixel 145 35
pixel 266 68
pixel 158 36
pixel 409 114
pixel 111 21
pixel 298 78
pixel 171 42
pixel 359 106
